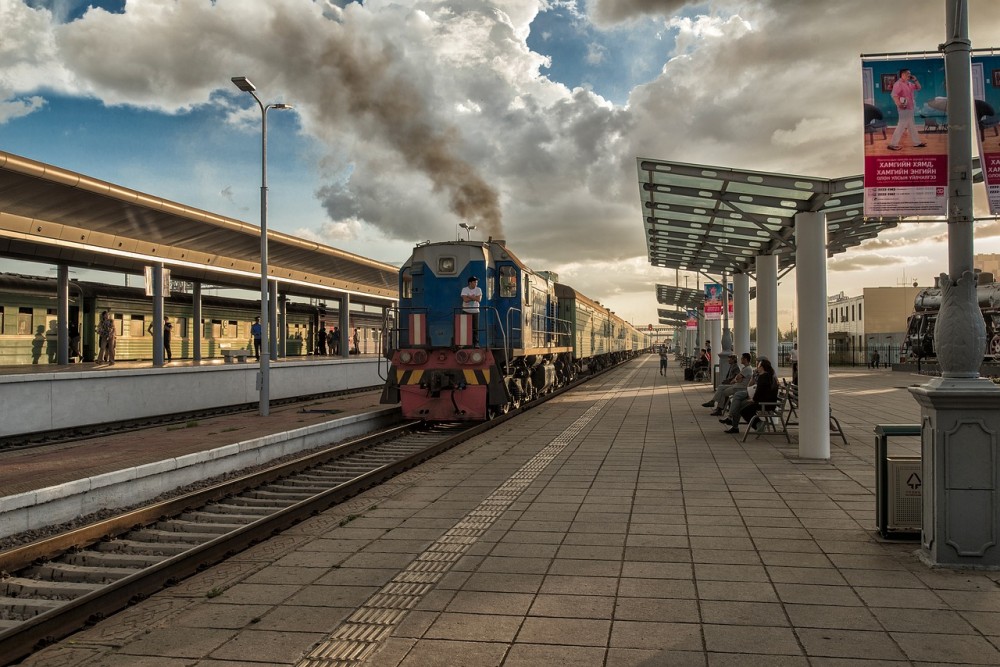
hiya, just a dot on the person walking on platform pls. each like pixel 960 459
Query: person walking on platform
pixel 335 342
pixel 168 329
pixel 255 334
pixel 357 341
pixel 663 360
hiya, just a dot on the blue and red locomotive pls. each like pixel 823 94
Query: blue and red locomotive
pixel 529 336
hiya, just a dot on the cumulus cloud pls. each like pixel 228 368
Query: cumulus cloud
pixel 428 113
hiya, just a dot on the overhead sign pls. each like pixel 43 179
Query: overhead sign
pixel 713 301
pixel 905 137
pixel 986 108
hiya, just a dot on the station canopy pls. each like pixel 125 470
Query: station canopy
pixel 714 219
pixel 671 316
pixel 48 214
pixel 682 297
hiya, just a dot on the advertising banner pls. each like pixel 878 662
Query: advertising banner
pixel 906 137
pixel 713 301
pixel 692 320
pixel 986 103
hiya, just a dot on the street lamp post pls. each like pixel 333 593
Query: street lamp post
pixel 244 84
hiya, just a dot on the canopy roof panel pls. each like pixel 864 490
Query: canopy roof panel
pixel 714 219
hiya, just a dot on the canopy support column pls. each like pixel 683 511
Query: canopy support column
pixel 814 360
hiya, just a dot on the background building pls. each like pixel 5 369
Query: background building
pixel 875 320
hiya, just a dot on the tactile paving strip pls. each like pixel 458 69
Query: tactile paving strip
pixel 364 630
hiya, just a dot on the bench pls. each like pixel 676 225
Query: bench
pixel 793 411
pixel 231 356
pixel 772 416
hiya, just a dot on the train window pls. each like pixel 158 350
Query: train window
pixel 508 282
pixel 527 291
pixel 180 329
pixel 216 331
pixel 446 265
pixel 3 320
pixel 407 285
pixel 119 320
pixel 136 326
pixel 25 321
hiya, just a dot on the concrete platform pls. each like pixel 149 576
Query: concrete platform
pixel 46 397
pixel 616 525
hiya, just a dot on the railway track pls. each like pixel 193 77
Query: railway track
pixel 54 587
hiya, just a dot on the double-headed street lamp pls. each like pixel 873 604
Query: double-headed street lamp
pixel 468 230
pixel 265 368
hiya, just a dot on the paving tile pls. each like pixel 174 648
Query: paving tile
pixel 220 615
pixel 179 642
pixel 904 598
pixel 503 582
pixel 428 653
pixel 573 606
pixel 533 655
pixel 657 609
pixel 829 616
pixel 564 631
pixel 962 649
pixel 721 612
pixel 573 585
pixel 849 644
pixel 289 618
pixel 656 636
pixel 267 646
pixel 474 627
pixel 722 572
pixel 750 639
pixel 481 602
pixel 657 588
pixel 805 575
pixel 840 596
pixel 737 591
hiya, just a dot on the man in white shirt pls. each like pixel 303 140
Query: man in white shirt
pixel 471 296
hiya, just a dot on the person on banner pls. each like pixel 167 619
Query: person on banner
pixel 904 94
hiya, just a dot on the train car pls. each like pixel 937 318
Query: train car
pixel 28 322
pixel 919 341
pixel 531 334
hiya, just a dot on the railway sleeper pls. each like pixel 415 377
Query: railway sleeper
pixel 293 491
pixel 16 609
pixel 171 537
pixel 136 547
pixel 64 572
pixel 209 515
pixel 102 559
pixel 285 497
pixel 197 527
pixel 240 511
pixel 248 502
pixel 20 587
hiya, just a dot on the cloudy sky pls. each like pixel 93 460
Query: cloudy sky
pixel 522 117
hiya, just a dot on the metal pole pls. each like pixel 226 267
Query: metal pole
pixel 265 360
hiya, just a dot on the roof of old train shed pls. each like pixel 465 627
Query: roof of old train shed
pixel 54 215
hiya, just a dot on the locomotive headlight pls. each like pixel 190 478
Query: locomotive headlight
pixel 419 357
pixel 446 265
pixel 405 357
pixel 477 357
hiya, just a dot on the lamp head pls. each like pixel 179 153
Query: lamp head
pixel 244 84
pixel 282 105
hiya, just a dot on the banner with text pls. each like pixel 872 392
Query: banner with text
pixel 692 320
pixel 713 301
pixel 906 137
pixel 986 102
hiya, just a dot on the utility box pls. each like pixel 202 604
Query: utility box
pixel 904 508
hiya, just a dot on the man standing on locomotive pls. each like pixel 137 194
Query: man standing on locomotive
pixel 471 296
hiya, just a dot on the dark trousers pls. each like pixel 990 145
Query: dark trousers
pixel 256 348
